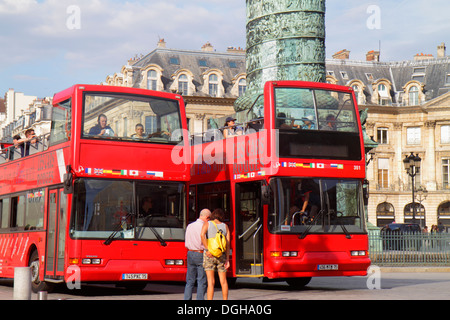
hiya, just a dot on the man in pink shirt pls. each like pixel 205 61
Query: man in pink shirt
pixel 195 271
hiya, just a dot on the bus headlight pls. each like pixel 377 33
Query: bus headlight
pixel 284 254
pixel 174 262
pixel 358 253
pixel 91 261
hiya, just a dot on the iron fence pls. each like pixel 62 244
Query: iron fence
pixel 409 249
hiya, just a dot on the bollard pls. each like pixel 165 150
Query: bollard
pixel 22 283
pixel 42 295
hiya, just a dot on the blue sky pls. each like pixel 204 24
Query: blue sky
pixel 48 45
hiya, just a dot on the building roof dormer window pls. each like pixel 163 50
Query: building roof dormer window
pixel 151 78
pixel 413 93
pixel 212 83
pixel 381 92
pixel 183 82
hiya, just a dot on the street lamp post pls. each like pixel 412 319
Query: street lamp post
pixel 422 193
pixel 412 167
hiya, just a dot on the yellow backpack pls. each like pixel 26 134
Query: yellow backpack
pixel 218 244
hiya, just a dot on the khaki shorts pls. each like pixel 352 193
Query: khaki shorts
pixel 214 263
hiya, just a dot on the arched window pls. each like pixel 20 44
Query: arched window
pixel 383 95
pixel 413 96
pixel 385 214
pixel 444 209
pixel 213 85
pixel 444 216
pixel 152 80
pixel 420 213
pixel 183 84
pixel 356 90
pixel 242 86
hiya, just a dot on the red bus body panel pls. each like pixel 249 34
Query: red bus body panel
pixel 312 251
pixel 46 170
pixel 252 157
pixel 15 250
pixel 125 257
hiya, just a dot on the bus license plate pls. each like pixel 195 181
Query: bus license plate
pixel 134 276
pixel 327 267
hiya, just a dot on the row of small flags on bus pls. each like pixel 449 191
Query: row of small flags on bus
pixel 311 165
pixel 120 172
pixel 36 194
pixel 249 175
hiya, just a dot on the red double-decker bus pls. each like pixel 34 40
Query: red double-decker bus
pixel 98 198
pixel 290 179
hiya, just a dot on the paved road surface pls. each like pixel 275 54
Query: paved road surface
pixel 428 284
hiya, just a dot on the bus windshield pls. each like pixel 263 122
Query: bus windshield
pixel 123 209
pixel 304 205
pixel 309 109
pixel 131 118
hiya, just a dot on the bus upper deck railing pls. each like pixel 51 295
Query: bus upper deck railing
pixel 215 134
pixel 409 249
pixel 255 125
pixel 25 148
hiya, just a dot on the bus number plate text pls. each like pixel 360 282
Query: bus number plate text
pixel 134 276
pixel 327 267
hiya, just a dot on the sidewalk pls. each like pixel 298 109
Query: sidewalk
pixel 415 269
pixel 7 286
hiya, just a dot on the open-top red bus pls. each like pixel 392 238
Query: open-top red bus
pixel 98 198
pixel 290 180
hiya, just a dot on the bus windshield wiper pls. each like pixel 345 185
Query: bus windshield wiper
pixel 347 234
pixel 344 229
pixel 113 234
pixel 316 218
pixel 332 213
pixel 158 236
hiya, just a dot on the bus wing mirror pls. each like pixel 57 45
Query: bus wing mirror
pixel 366 192
pixel 265 194
pixel 68 183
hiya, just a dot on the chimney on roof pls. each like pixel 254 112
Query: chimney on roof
pixel 342 55
pixel 373 55
pixel 207 47
pixel 234 50
pixel 441 51
pixel 422 56
pixel 161 43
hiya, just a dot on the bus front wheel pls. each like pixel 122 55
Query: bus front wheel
pixel 36 284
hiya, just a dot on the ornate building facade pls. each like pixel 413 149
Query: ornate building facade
pixel 209 81
pixel 408 105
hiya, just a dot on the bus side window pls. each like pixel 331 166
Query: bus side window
pixel 17 211
pixel 4 213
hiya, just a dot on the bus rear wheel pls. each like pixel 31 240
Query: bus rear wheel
pixel 36 284
pixel 298 283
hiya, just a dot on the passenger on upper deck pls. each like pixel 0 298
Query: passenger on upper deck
pixel 101 129
pixel 308 123
pixel 17 143
pixel 30 138
pixel 139 135
pixel 230 128
pixel 331 123
pixel 281 122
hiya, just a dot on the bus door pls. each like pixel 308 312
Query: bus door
pixel 56 225
pixel 249 233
